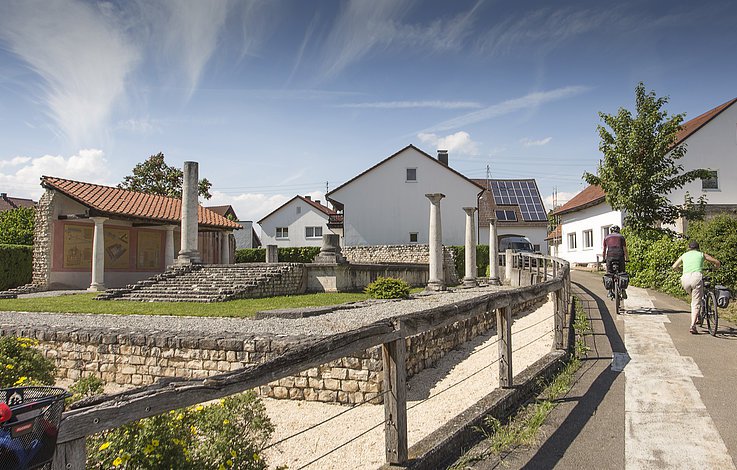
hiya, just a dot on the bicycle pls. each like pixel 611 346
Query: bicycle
pixel 619 282
pixel 709 309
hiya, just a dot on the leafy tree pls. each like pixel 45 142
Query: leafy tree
pixel 640 166
pixel 16 226
pixel 154 176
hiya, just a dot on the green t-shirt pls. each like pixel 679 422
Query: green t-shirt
pixel 693 261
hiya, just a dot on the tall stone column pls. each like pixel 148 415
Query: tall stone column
pixel 493 254
pixel 169 247
pixel 436 281
pixel 189 254
pixel 470 279
pixel 98 256
pixel 225 248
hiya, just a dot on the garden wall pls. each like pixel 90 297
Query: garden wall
pixel 130 358
pixel 418 254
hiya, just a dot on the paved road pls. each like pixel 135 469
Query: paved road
pixel 648 396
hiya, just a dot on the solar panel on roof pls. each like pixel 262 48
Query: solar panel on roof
pixel 521 193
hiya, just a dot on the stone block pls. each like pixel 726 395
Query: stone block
pixel 296 394
pixel 331 384
pixel 327 396
pixel 350 386
pixel 315 383
pixel 281 393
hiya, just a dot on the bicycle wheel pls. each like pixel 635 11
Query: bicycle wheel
pixel 711 313
pixel 617 298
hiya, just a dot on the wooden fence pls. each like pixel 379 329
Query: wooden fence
pixel 548 276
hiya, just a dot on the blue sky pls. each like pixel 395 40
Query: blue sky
pixel 277 98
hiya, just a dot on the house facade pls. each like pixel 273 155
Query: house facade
pixel 386 204
pixel 246 238
pixel 517 209
pixel 298 222
pixel 140 234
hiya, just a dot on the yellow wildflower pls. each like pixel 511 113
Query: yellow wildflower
pixel 105 445
pixel 226 421
pixel 155 442
pixel 199 408
pixel 229 462
pixel 233 453
pixel 117 462
pixel 256 457
pixel 221 467
pixel 10 367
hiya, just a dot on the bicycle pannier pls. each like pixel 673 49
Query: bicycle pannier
pixel 624 281
pixel 608 282
pixel 723 296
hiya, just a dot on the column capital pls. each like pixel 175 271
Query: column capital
pixel 491 220
pixel 99 220
pixel 435 197
pixel 469 210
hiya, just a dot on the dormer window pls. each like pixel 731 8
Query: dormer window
pixel 411 175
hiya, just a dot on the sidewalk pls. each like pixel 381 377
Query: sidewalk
pixel 649 394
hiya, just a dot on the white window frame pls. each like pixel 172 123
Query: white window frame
pixel 314 230
pixel 572 242
pixel 715 178
pixel 417 237
pixel 281 233
pixel 406 175
pixel 588 239
pixel 605 231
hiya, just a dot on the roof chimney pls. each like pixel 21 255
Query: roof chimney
pixel 309 198
pixel 443 157
pixel 3 195
pixel 317 201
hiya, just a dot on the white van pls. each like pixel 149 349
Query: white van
pixel 516 244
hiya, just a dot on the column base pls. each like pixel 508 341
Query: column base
pixel 96 288
pixel 494 281
pixel 470 282
pixel 192 257
pixel 436 286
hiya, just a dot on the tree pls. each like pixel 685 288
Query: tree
pixel 154 176
pixel 640 166
pixel 16 226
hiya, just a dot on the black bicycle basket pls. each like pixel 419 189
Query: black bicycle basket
pixel 723 296
pixel 30 427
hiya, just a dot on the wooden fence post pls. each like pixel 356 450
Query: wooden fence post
pixel 70 455
pixel 559 317
pixel 504 330
pixel 395 401
pixel 545 269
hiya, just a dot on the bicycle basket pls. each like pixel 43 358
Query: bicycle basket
pixel 723 296
pixel 28 437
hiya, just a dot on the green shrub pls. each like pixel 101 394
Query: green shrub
pixel 718 237
pixel 16 265
pixel 388 288
pixel 301 254
pixel 85 387
pixel 22 364
pixel 482 260
pixel 230 433
pixel 16 226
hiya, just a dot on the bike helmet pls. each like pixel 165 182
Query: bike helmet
pixel 614 229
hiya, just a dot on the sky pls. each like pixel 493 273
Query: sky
pixel 275 98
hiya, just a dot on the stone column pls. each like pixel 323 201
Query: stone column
pixel 470 279
pixel 225 247
pixel 436 281
pixel 169 247
pixel 189 254
pixel 493 254
pixel 98 256
pixel 272 254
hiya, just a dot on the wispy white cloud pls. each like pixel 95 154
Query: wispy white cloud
pixel 412 104
pixel 527 142
pixel 459 142
pixel 15 161
pixel 529 101
pixel 83 60
pixel 143 125
pixel 88 165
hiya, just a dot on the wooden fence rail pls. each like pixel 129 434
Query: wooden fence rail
pixel 106 412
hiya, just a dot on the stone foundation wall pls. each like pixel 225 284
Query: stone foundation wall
pixel 401 254
pixel 139 359
pixel 42 241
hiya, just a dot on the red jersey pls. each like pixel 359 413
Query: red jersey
pixel 614 244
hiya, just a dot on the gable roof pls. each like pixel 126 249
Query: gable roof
pixel 688 128
pixel 590 196
pixel 9 203
pixel 488 205
pixel 410 146
pixel 126 203
pixel 223 210
pixel 556 234
pixel 324 209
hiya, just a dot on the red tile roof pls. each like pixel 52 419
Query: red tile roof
pixel 590 196
pixel 324 209
pixel 698 122
pixel 9 203
pixel 555 234
pixel 125 203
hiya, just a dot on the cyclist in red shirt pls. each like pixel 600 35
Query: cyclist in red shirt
pixel 615 250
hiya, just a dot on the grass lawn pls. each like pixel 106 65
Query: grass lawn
pixel 84 303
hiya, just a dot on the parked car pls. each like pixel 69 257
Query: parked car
pixel 516 244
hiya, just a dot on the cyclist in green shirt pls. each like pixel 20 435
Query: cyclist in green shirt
pixel 691 280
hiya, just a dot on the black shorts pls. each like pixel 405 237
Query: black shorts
pixel 614 259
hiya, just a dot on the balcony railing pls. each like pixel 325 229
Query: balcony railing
pixel 335 221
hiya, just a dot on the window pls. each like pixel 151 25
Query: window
pixel 536 247
pixel 571 241
pixel 413 237
pixel 299 209
pixel 313 232
pixel 605 231
pixel 282 232
pixel 588 239
pixel 711 183
pixel 411 175
pixel 506 216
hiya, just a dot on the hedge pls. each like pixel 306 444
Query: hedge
pixel 482 260
pixel 16 265
pixel 302 254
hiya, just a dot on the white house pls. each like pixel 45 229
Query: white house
pixel 584 221
pixel 517 209
pixel 298 222
pixel 386 204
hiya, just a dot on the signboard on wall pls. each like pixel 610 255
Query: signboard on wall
pixel 77 246
pixel 149 250
pixel 117 248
